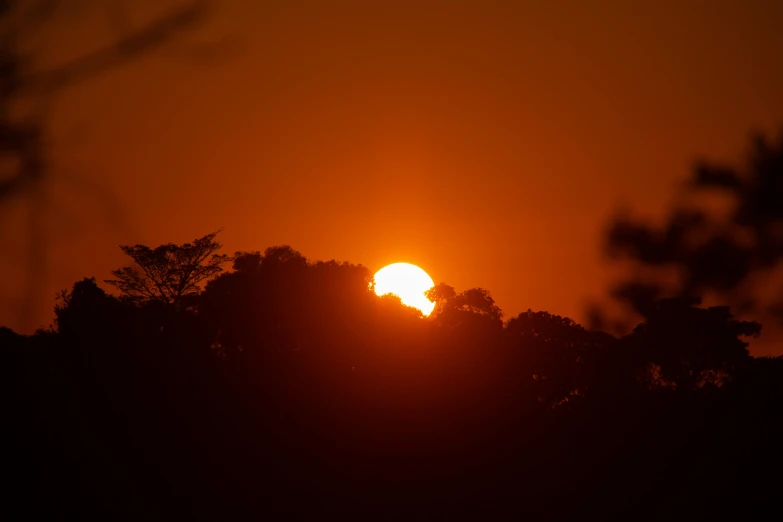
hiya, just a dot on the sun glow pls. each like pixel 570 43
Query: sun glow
pixel 408 282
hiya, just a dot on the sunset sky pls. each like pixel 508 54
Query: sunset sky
pixel 487 142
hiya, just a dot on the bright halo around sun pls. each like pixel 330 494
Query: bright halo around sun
pixel 408 282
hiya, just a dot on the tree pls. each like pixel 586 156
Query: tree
pixel 474 305
pixel 728 254
pixel 283 257
pixel 439 294
pixel 690 346
pixel 169 273
pixel 278 301
pixel 476 301
pixel 479 301
pixel 563 359
pixel 83 308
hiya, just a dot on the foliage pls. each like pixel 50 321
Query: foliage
pixel 730 253
pixel 692 346
pixel 287 389
pixel 82 308
pixel 169 273
pixel 440 294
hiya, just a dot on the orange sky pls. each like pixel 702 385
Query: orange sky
pixel 487 142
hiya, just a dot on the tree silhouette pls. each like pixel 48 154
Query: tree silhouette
pixel 278 301
pixel 439 294
pixel 287 379
pixel 691 346
pixel 466 310
pixel 478 301
pixel 560 356
pixel 84 308
pixel 169 273
pixel 729 254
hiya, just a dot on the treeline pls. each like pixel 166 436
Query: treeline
pixel 286 389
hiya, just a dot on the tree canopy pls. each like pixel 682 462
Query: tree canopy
pixel 169 273
pixel 723 238
pixel 204 393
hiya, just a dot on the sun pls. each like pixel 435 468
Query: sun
pixel 408 282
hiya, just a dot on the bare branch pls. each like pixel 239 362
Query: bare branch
pixel 120 52
pixel 170 272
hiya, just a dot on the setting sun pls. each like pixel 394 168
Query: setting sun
pixel 408 282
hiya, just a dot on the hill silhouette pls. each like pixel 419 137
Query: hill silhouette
pixel 285 388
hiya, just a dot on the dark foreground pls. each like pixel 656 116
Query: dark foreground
pixel 285 398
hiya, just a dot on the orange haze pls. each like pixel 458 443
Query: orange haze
pixel 486 142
